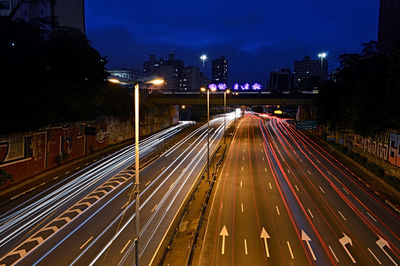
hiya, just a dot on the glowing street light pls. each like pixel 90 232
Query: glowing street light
pixel 322 56
pixel 148 80
pixel 203 58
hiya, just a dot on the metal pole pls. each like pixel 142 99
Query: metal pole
pixel 208 134
pixel 136 184
pixel 224 115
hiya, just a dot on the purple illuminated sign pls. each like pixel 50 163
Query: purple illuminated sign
pixel 222 86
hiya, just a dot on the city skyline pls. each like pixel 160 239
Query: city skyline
pixel 260 43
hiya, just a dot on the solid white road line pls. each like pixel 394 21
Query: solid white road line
pixel 87 241
pixel 277 210
pixel 290 250
pixel 372 253
pixel 245 246
pixel 342 215
pixel 126 245
pixel 333 253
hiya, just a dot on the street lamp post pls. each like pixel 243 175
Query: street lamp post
pixel 203 89
pixel 154 81
pixel 203 58
pixel 225 92
pixel 322 56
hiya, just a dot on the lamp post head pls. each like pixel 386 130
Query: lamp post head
pixel 322 55
pixel 203 57
pixel 203 89
pixel 228 91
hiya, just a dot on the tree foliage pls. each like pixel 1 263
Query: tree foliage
pixel 364 95
pixel 52 80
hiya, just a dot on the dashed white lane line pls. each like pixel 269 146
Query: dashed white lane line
pixel 148 182
pixel 126 245
pixel 77 168
pixel 56 177
pixel 321 189
pixel 277 210
pixel 242 168
pixel 344 218
pixel 154 208
pixel 265 169
pixel 263 158
pixel 346 191
pixel 296 187
pixel 372 217
pixel 270 186
pixel 245 246
pixel 67 172
pixel 288 171
pixel 241 206
pixel 309 211
pixel 241 183
pixel 162 169
pixel 329 173
pixel 309 172
pixel 243 158
pixel 372 253
pixel 87 241
pixel 290 249
pixel 301 160
pixel 86 164
pixel 333 253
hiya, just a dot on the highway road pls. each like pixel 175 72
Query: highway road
pixel 88 218
pixel 282 200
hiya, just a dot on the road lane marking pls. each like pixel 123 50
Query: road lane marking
pixel 309 172
pixel 77 168
pixel 344 241
pixel 375 256
pixel 224 233
pixel 288 171
pixel 321 189
pixel 87 241
pixel 296 187
pixel 154 208
pixel 301 160
pixel 162 168
pixel 263 158
pixel 241 205
pixel 265 169
pixel 86 164
pixel 245 246
pixel 309 211
pixel 264 235
pixel 290 250
pixel 148 182
pixel 241 184
pixel 270 186
pixel 334 255
pixel 126 245
pixel 243 158
pixel 307 239
pixel 56 177
pixel 372 217
pixel 383 243
pixel 346 191
pixel 329 173
pixel 67 172
pixel 342 215
pixel 277 210
pixel 242 168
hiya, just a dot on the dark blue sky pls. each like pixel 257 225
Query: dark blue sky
pixel 256 36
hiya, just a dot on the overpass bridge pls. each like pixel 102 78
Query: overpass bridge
pixel 217 98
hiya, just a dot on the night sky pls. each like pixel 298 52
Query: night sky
pixel 256 36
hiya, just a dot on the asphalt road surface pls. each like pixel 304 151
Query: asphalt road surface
pixel 282 200
pixel 88 219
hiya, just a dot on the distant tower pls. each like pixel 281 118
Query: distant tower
pixel 220 70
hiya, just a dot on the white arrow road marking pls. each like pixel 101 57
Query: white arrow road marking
pixel 381 244
pixel 245 246
pixel 224 233
pixel 372 253
pixel 344 241
pixel 330 248
pixel 290 249
pixel 265 236
pixel 307 239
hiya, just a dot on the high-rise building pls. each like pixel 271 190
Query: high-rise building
pixel 220 70
pixel 280 80
pixel 389 25
pixel 192 79
pixel 63 13
pixel 308 70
